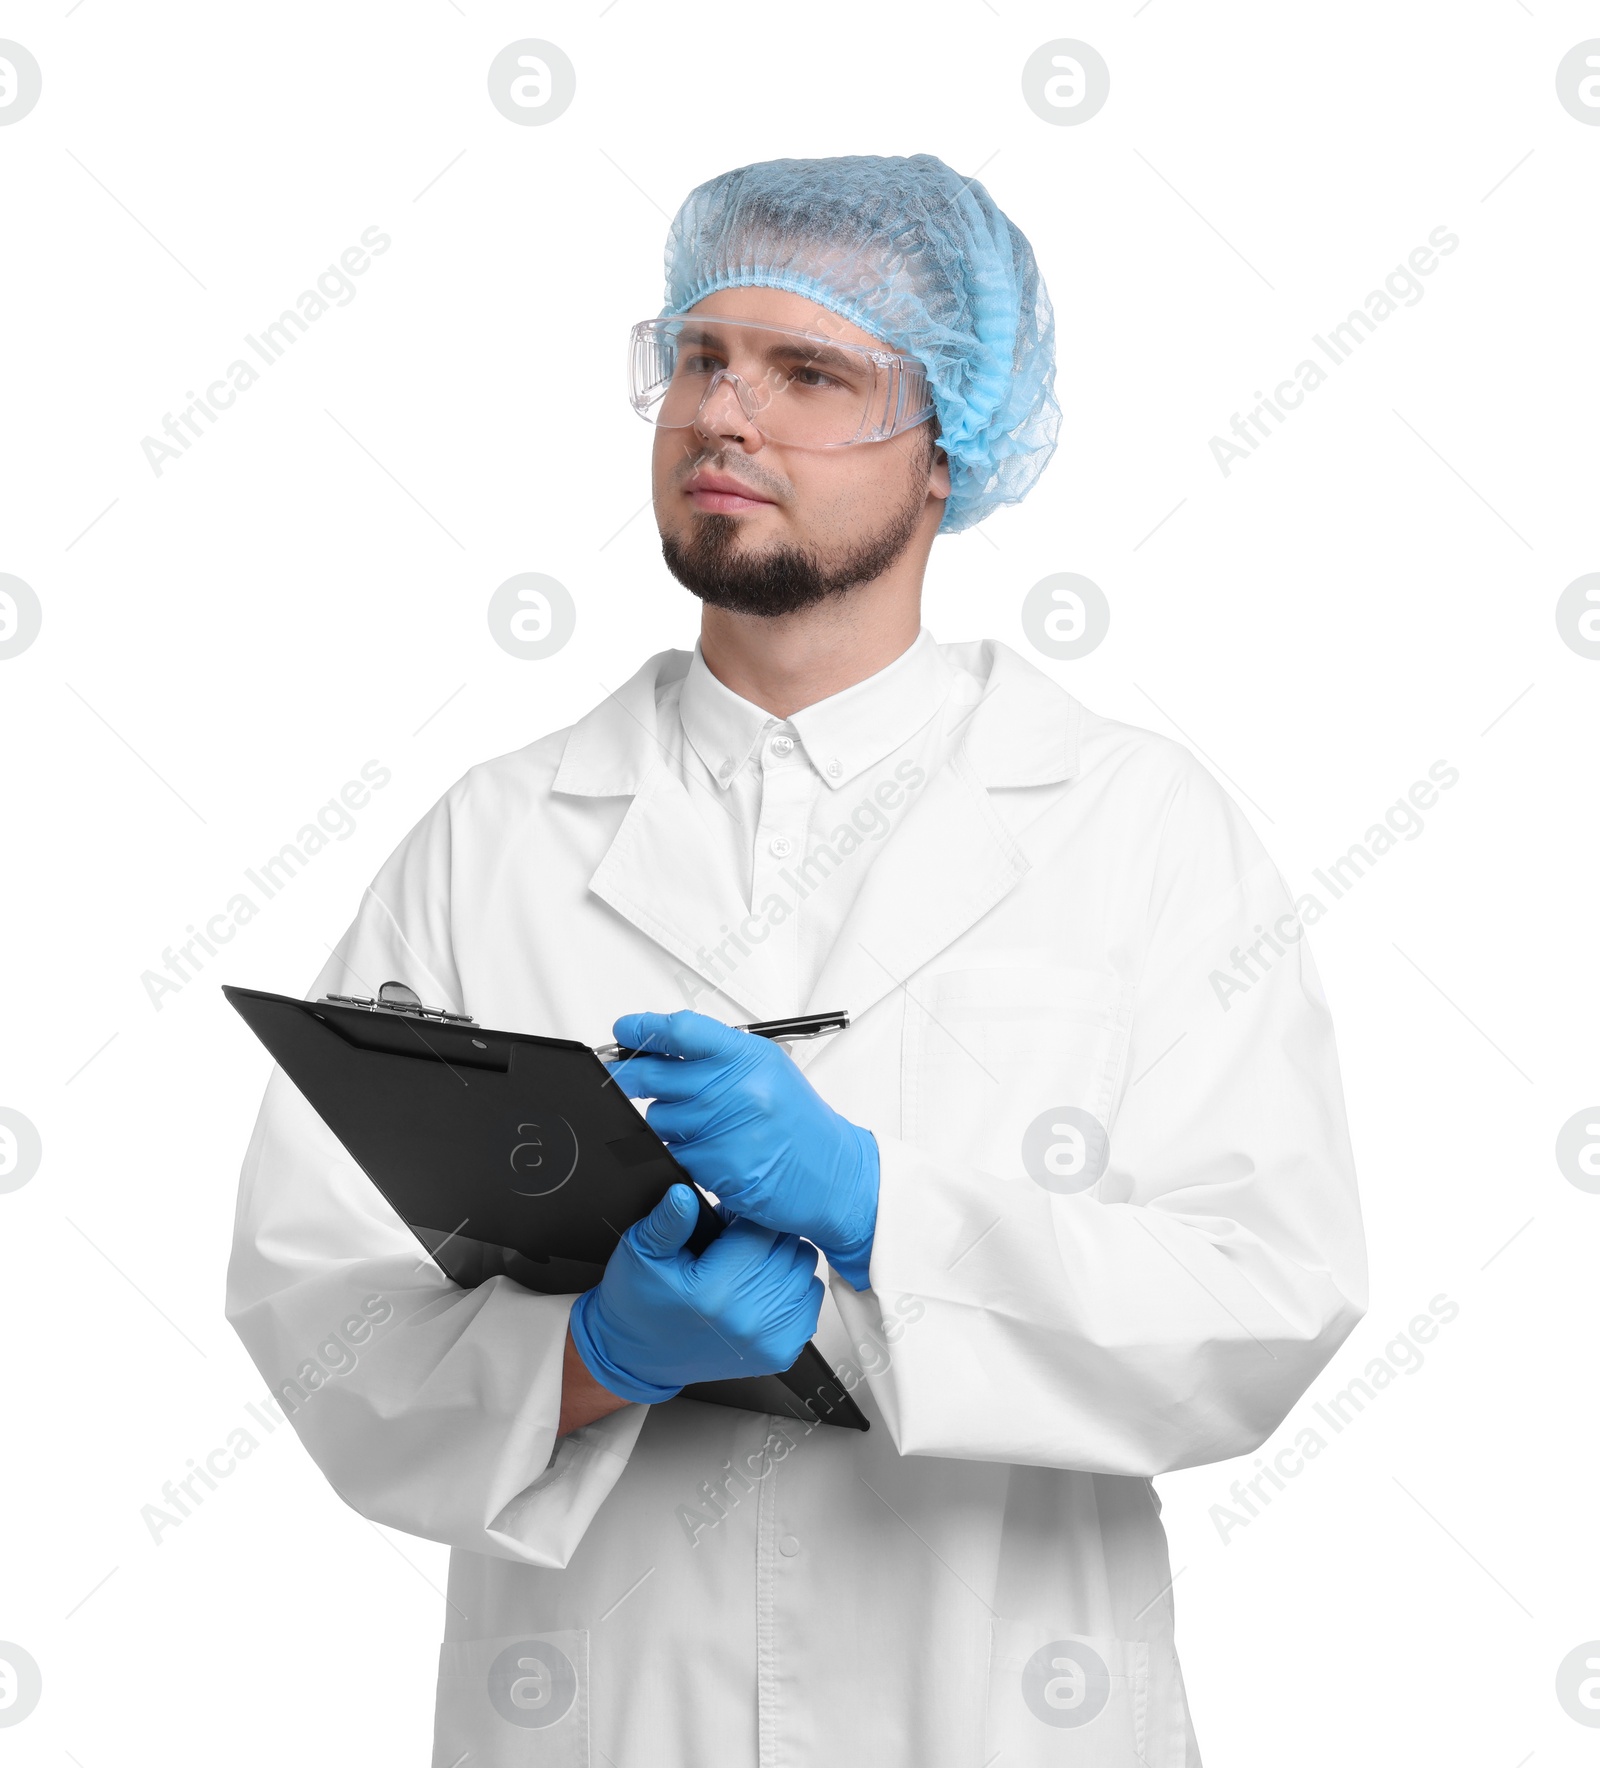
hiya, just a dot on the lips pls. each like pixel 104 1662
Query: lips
pixel 717 493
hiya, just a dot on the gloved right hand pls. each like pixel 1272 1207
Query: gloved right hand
pixel 660 1317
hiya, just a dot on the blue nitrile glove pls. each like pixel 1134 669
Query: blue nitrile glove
pixel 744 1122
pixel 660 1317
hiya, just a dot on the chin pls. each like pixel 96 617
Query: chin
pixel 712 530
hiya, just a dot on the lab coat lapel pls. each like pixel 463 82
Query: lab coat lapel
pixel 953 857
pixel 949 862
pixel 655 873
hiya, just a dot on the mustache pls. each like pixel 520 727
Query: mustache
pixel 720 460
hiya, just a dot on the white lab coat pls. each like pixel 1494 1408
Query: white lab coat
pixel 984 1571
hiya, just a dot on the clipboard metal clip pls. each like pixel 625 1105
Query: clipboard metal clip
pixel 397 997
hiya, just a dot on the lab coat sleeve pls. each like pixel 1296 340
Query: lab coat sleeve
pixel 1174 1313
pixel 430 1408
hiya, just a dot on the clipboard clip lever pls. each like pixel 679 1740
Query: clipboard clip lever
pixel 396 997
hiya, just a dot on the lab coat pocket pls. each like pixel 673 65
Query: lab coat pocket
pixel 989 1052
pixel 511 1702
pixel 1060 1698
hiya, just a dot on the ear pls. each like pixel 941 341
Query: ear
pixel 939 475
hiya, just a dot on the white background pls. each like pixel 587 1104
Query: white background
pixel 224 645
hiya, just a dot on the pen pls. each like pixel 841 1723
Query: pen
pixel 802 1025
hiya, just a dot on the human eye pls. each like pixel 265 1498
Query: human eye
pixel 822 383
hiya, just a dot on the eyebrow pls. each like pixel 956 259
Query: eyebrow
pixel 822 356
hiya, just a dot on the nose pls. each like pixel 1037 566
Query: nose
pixel 724 415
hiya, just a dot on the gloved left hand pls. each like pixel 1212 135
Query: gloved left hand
pixel 744 1122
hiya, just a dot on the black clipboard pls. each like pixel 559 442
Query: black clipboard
pixel 505 1154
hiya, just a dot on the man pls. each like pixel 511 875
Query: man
pixel 1083 1215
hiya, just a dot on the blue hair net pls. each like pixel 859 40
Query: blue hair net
pixel 917 256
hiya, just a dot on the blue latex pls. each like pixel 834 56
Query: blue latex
pixel 660 1317
pixel 921 258
pixel 744 1122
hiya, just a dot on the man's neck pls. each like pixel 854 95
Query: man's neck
pixel 787 664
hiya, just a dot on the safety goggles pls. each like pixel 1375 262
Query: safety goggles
pixel 798 388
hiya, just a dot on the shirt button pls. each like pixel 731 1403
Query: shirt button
pixel 789 1546
pixel 780 847
pixel 835 769
pixel 724 770
pixel 782 745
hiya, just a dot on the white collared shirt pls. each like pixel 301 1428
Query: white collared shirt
pixel 796 809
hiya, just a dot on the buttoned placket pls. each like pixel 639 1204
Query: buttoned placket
pixel 783 1596
pixel 768 1736
pixel 789 788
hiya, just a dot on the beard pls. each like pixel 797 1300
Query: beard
pixel 783 579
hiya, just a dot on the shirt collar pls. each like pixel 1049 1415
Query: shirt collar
pixel 849 732
pixel 843 735
pixel 1023 731
pixel 721 727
